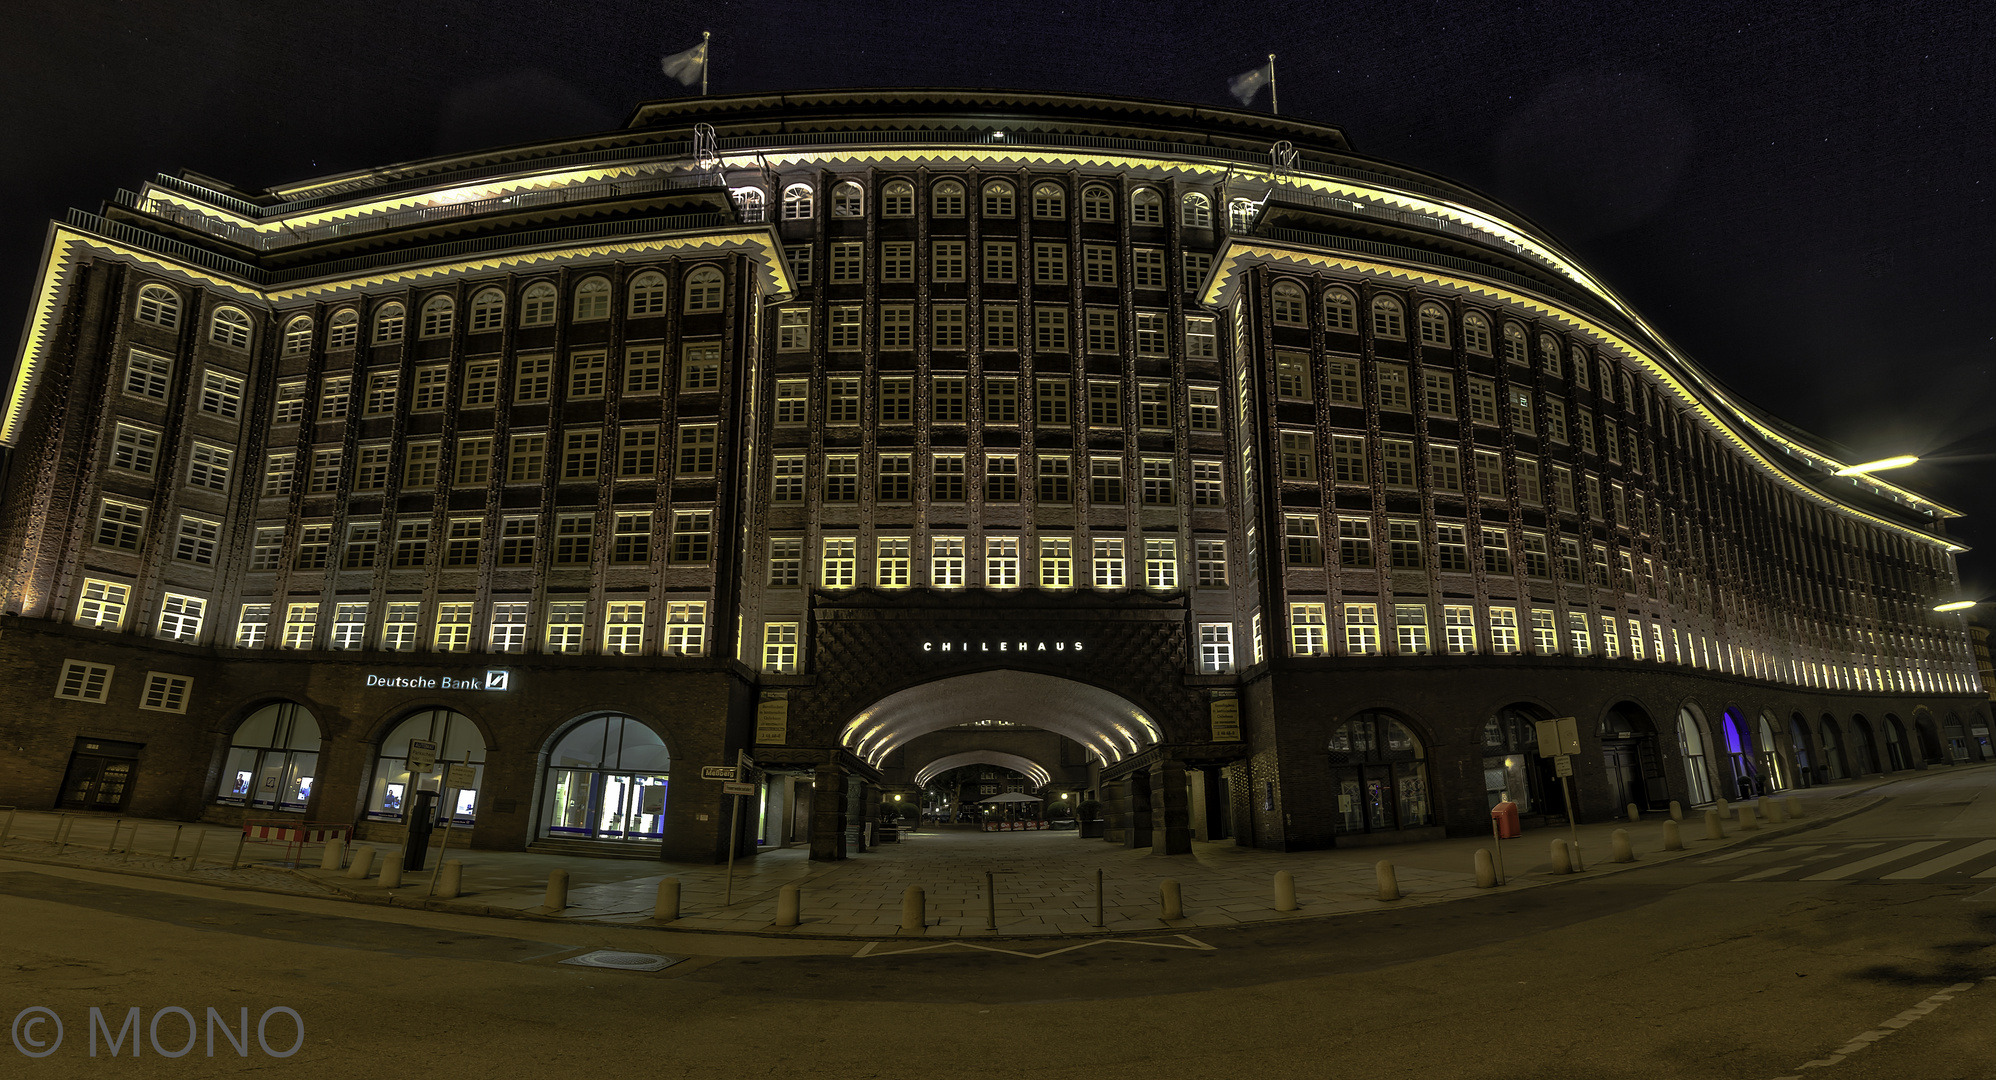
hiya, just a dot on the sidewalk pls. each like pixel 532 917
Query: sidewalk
pixel 1044 881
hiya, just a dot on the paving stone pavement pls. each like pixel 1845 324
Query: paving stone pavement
pixel 1044 882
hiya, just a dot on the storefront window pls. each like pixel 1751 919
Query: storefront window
pixel 1691 742
pixel 272 759
pixel 1771 770
pixel 1510 758
pixel 606 780
pixel 1833 750
pixel 1739 757
pixel 1382 781
pixel 458 741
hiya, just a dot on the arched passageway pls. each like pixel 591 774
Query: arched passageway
pixel 1108 724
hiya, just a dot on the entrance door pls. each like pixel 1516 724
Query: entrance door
pixel 595 805
pixel 1625 780
pixel 100 775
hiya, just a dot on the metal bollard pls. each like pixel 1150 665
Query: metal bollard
pixel 990 901
pixel 1171 904
pixel 115 826
pixel 914 908
pixel 1673 839
pixel 1562 861
pixel 1285 891
pixel 789 905
pixel 7 829
pixel 667 908
pixel 1772 808
pixel 391 871
pixel 1676 810
pixel 1714 828
pixel 453 880
pixel 237 860
pixel 194 853
pixel 1749 821
pixel 335 855
pixel 1389 882
pixel 1099 922
pixel 1623 852
pixel 173 852
pixel 363 864
pixel 1635 813
pixel 1794 808
pixel 1486 871
pixel 62 834
pixel 557 894
pixel 1725 808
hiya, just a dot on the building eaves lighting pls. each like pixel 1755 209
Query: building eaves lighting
pixel 1958 605
pixel 1899 462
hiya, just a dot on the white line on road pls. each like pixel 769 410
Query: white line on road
pixel 1897 1023
pixel 1935 866
pixel 1986 874
pixel 1860 866
pixel 1768 873
pixel 869 947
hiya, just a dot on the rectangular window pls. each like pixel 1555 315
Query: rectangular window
pixel 280 474
pixel 1001 562
pixel 779 648
pixel 686 628
pixel 1593 490
pixel 842 400
pixel 1394 393
pixel 786 561
pixel 1108 563
pixel 894 481
pixel 1410 628
pixel 1545 635
pixel 1001 400
pixel 301 626
pixel 698 444
pixel 432 389
pixel 1611 642
pixel 1055 479
pixel 136 449
pixel 838 564
pixel 1056 562
pixel 1209 563
pixel 1396 466
pixel 412 543
pixel 787 478
pixel 1584 424
pixel 147 375
pixel 793 402
pixel 382 389
pixel 1354 543
pixel 947 326
pixel 1347 459
pixel 1611 440
pixel 1532 551
pixel 630 542
pixel 1438 392
pixel 842 478
pixel 1203 409
pixel 1361 623
pixel 1051 401
pixel 1528 480
pixel 624 628
pixel 700 367
pixel 1202 341
pixel 1576 633
pixel 846 328
pixel 1161 564
pixel 1101 324
pixel 462 543
pixel 518 537
pixel 314 546
pixel 121 525
pixel 848 262
pixel 533 378
pixel 1001 478
pixel 1459 628
pixel 421 462
pixel 349 627
pixel 1098 264
pixel 267 553
pixel 1208 483
pixel 1600 565
pixel 198 538
pixel 891 561
pixel 481 384
pixel 1403 537
pixel 1521 412
pixel 1451 548
pixel 508 628
pixel 565 621
pixel 1292 375
pixel 946 558
pixel 1159 482
pixel 637 451
pixel 897 399
pixel 1482 400
pixel 207 466
pixel 1050 328
pixel 290 407
pixel 252 626
pixel 897 327
pixel 574 539
pixel 453 629
pixel 1049 264
pixel 1001 260
pixel 1303 544
pixel 474 462
pixel 1635 639
pixel 1105 480
pixel 1001 326
pixel 1307 630
pixel 398 630
pixel 1216 648
pixel 587 372
pixel 692 536
pixel 793 330
pixel 1147 269
pixel 180 617
pixel 221 395
pixel 1489 474
pixel 1341 381
pixel 166 693
pixel 1195 266
pixel 1444 468
pixel 946 260
pixel 1562 488
pixel 1569 558
pixel 1555 420
pixel 1504 631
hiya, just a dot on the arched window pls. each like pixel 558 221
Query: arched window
pixel 343 332
pixel 1514 344
pixel 1798 733
pixel 1098 203
pixel 159 306
pixel 1146 207
pixel 1774 775
pixel 648 294
pixel 1049 201
pixel 1864 748
pixel 391 321
pixel 1607 373
pixel 1549 352
pixel 703 290
pixel 488 311
pixel 1434 326
pixel 1510 759
pixel 946 199
pixel 1389 319
pixel 457 739
pixel 229 327
pixel 438 315
pixel 998 199
pixel 1834 762
pixel 1378 767
pixel 797 205
pixel 537 304
pixel 1241 214
pixel 1476 334
pixel 272 758
pixel 606 780
pixel 1286 300
pixel 1691 742
pixel 1897 754
pixel 1340 310
pixel 1578 358
pixel 848 199
pixel 750 205
pixel 897 199
pixel 592 300
pixel 1739 755
pixel 1195 211
pixel 298 336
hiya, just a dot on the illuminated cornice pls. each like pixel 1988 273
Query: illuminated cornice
pixel 1228 270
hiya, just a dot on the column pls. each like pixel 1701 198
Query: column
pixel 1171 810
pixel 828 814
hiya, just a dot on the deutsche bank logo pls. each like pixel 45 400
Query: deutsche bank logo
pixel 496 680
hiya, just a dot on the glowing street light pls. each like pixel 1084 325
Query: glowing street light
pixel 1899 462
pixel 1958 605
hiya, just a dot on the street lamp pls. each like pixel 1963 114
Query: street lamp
pixel 1881 464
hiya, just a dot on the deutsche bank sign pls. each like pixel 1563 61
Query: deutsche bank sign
pixel 495 679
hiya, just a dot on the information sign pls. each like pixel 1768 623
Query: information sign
pixel 1561 736
pixel 772 722
pixel 422 756
pixel 1226 716
pixel 460 776
pixel 717 772
pixel 732 788
pixel 1563 765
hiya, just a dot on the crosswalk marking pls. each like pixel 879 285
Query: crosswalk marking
pixel 1860 866
pixel 1936 865
pixel 1986 874
pixel 1768 873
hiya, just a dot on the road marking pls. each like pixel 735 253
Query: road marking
pixel 869 948
pixel 1860 866
pixel 1733 855
pixel 1952 858
pixel 1769 873
pixel 1986 874
pixel 1897 1023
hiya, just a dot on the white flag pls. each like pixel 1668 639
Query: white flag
pixel 1249 83
pixel 688 66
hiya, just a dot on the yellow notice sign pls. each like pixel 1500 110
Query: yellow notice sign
pixel 772 722
pixel 1226 714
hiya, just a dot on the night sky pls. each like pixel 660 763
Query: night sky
pixel 1797 194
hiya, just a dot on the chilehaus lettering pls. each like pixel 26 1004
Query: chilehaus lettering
pixel 1006 645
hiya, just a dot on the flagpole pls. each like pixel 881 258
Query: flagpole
pixel 706 35
pixel 1274 103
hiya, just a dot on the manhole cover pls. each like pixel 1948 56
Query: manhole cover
pixel 623 961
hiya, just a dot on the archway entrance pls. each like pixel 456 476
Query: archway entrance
pixel 1628 750
pixel 605 780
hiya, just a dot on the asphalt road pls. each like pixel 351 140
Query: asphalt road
pixel 1864 949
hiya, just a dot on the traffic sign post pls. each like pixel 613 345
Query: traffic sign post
pixel 733 783
pixel 1559 739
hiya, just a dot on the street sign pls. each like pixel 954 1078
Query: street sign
pixel 1561 736
pixel 460 776
pixel 422 756
pixel 717 772
pixel 1563 765
pixel 732 788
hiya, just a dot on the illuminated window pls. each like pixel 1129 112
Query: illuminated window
pixel 565 621
pixel 301 625
pixel 946 558
pixel 1056 562
pixel 159 306
pixel 1097 203
pixel 180 617
pixel 891 562
pixel 1410 629
pixel 686 628
pixel 1307 630
pixel 1361 622
pixel 798 202
pixel 508 628
pixel 1216 648
pixel 230 328
pixel 848 200
pixel 252 626
pixel 1146 207
pixel 1001 562
pixel 1108 563
pixel 298 336
pixel 779 648
pixel 1195 211
pixel 1161 564
pixel 624 628
pixel 838 562
pixel 1459 628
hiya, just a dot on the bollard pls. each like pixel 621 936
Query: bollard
pixel 1562 862
pixel 1673 840
pixel 1389 882
pixel 335 855
pixel 363 864
pixel 1285 891
pixel 1772 807
pixel 667 908
pixel 1749 821
pixel 557 894
pixel 914 908
pixel 1623 852
pixel 237 860
pixel 115 826
pixel 391 872
pixel 7 829
pixel 1794 808
pixel 194 853
pixel 453 880
pixel 789 906
pixel 1725 808
pixel 1486 871
pixel 1714 828
pixel 990 901
pixel 173 852
pixel 62 834
pixel 1635 813
pixel 1676 810
pixel 1098 898
pixel 1171 905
